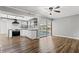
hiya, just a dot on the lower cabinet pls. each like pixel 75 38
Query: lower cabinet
pixel 29 34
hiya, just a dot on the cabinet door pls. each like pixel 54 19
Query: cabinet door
pixel 22 32
pixel 29 34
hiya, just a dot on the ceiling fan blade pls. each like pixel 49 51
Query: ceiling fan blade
pixel 57 7
pixel 57 11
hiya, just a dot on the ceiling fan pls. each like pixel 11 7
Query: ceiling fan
pixel 55 9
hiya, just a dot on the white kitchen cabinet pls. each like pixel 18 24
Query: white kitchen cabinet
pixel 29 33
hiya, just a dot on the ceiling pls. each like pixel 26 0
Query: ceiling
pixel 42 11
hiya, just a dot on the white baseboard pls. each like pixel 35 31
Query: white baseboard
pixel 67 36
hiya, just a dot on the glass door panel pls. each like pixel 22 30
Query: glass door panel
pixel 44 28
pixel 48 27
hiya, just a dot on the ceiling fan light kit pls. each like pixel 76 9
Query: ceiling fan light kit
pixel 50 8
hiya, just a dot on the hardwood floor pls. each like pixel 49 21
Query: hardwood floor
pixel 66 45
pixel 42 45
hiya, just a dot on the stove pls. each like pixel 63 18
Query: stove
pixel 16 32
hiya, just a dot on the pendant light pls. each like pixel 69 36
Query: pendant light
pixel 15 22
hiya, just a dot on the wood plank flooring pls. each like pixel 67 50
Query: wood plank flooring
pixel 43 45
pixel 66 45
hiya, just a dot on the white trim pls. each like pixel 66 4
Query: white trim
pixel 68 37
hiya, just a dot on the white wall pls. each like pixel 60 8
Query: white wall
pixel 67 26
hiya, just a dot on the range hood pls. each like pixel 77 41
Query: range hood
pixel 15 22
